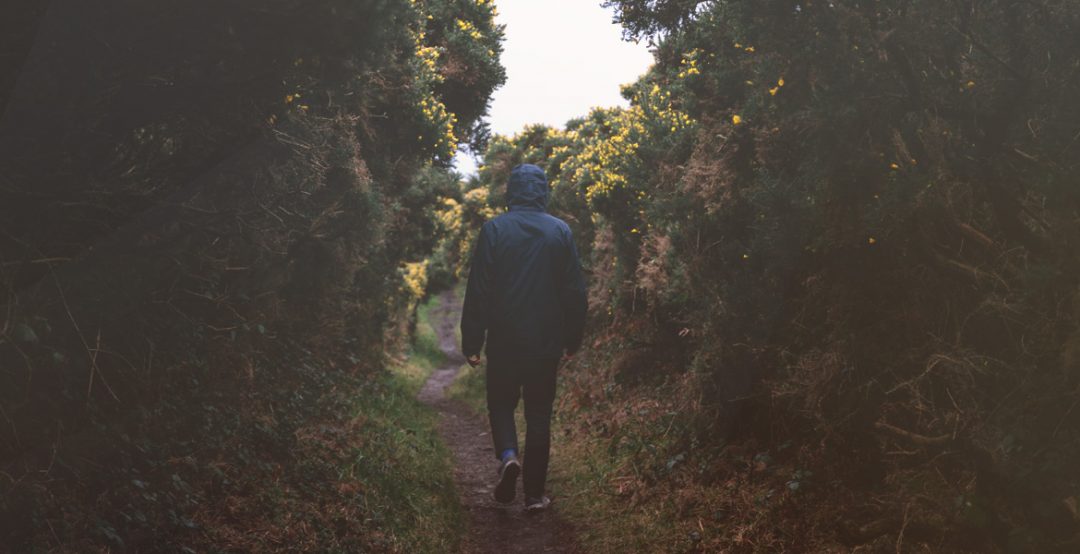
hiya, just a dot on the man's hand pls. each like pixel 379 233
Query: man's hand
pixel 473 360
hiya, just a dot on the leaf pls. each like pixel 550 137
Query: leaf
pixel 23 333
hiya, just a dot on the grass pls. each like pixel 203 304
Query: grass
pixel 424 355
pixel 630 495
pixel 608 521
pixel 636 476
pixel 317 459
pixel 367 471
pixel 584 470
pixel 469 384
pixel 405 466
pixel 406 472
pixel 469 387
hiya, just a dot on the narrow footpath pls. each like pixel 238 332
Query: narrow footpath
pixel 493 528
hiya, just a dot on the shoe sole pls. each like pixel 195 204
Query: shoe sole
pixel 537 508
pixel 506 489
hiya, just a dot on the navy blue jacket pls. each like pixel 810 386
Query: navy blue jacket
pixel 525 291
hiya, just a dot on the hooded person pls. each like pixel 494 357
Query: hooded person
pixel 525 301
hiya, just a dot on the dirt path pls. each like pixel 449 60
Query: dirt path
pixel 493 528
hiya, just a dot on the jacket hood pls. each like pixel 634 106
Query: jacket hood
pixel 527 188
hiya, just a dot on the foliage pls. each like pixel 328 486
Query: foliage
pixel 212 232
pixel 459 220
pixel 844 226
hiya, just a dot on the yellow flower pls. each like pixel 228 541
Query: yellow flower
pixel 893 166
pixel 736 119
pixel 749 49
pixel 971 84
pixel 872 240
pixel 773 90
pixel 415 278
pixel 746 256
pixel 780 83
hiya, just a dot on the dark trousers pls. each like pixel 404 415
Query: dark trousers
pixel 508 380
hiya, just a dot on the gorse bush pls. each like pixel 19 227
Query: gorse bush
pixel 849 228
pixel 213 222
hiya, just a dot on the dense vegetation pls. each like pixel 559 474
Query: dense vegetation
pixel 210 218
pixel 833 249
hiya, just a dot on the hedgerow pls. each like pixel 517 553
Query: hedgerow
pixel 213 226
pixel 834 277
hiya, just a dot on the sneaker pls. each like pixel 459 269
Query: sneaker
pixel 536 505
pixel 507 485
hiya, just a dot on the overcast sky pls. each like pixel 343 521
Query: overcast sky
pixel 562 57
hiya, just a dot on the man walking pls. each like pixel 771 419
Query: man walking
pixel 526 296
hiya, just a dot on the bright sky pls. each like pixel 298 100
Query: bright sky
pixel 562 57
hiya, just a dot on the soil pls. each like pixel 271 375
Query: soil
pixel 493 527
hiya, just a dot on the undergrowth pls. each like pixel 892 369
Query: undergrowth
pixel 372 475
pixel 411 473
pixel 321 458
pixel 641 475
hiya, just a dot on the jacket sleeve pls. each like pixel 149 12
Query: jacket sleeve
pixel 573 298
pixel 474 314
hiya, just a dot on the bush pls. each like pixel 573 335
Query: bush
pixel 843 227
